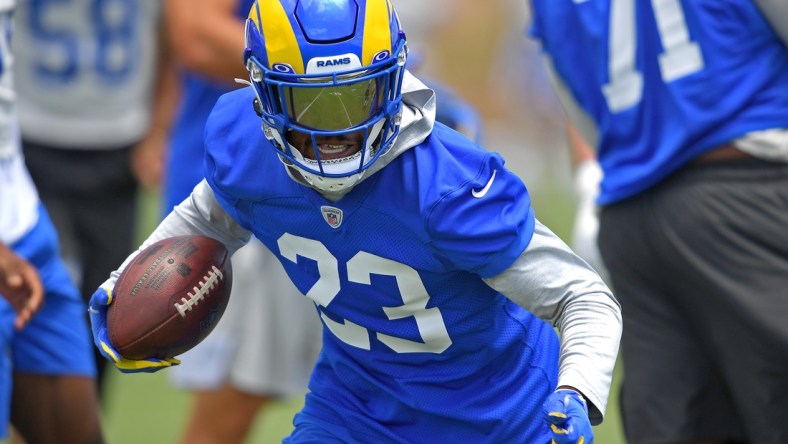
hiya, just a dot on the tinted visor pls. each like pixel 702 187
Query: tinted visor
pixel 334 107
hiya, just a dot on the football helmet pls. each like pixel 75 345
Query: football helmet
pixel 327 73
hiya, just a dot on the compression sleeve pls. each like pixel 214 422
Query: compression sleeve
pixel 199 214
pixel 776 13
pixel 553 283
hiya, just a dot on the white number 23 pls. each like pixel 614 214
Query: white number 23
pixel 435 338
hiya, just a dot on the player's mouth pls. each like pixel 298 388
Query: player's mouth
pixel 330 151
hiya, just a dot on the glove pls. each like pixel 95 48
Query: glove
pixel 97 308
pixel 567 414
pixel 586 224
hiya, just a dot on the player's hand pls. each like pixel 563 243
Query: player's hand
pixel 586 224
pixel 97 308
pixel 566 412
pixel 148 158
pixel 20 285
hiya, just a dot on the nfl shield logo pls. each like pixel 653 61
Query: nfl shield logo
pixel 332 215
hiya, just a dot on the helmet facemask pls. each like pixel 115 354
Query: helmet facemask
pixel 330 124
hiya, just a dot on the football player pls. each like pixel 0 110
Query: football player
pixel 437 287
pixel 85 75
pixel 47 369
pixel 260 363
pixel 686 105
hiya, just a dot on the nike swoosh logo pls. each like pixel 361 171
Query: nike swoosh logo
pixel 481 193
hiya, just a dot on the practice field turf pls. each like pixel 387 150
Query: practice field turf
pixel 145 408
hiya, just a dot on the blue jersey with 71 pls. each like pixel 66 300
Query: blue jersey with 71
pixel 662 81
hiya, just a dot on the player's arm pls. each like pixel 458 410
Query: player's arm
pixel 553 283
pixel 207 36
pixel 581 137
pixel 20 285
pixel 776 13
pixel 199 214
pixel 587 176
pixel 148 157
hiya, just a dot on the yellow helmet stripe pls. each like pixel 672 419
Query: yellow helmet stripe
pixel 377 29
pixel 281 44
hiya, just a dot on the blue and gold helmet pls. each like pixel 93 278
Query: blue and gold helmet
pixel 327 69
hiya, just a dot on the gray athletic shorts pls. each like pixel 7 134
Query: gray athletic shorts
pixel 700 266
pixel 267 340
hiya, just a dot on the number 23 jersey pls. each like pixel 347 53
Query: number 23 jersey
pixel 413 336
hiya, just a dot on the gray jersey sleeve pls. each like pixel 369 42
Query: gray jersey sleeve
pixel 553 283
pixel 199 214
pixel 776 13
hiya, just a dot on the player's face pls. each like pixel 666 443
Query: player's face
pixel 330 148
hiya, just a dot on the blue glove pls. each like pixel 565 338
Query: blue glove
pixel 97 308
pixel 567 414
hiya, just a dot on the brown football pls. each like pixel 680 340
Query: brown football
pixel 170 297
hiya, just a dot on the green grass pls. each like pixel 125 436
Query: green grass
pixel 146 408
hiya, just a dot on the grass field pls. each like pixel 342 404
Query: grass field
pixel 145 408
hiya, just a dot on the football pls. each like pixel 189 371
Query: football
pixel 169 297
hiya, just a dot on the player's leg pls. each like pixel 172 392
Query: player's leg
pixel 222 416
pixel 280 331
pixel 56 409
pixel 667 374
pixel 740 265
pixel 54 397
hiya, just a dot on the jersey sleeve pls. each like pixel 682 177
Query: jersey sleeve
pixel 485 223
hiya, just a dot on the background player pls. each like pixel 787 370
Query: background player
pixel 260 363
pixel 86 80
pixel 690 124
pixel 406 235
pixel 51 396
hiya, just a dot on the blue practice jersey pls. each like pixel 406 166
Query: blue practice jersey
pixel 417 348
pixel 664 81
pixel 186 150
